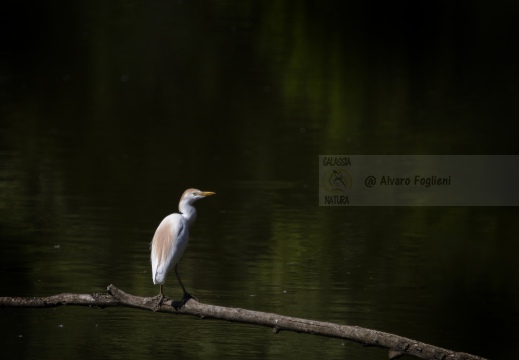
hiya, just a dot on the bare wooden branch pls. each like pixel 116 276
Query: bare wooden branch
pixel 94 300
pixel 396 345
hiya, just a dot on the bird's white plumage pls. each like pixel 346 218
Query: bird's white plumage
pixel 171 240
pixel 172 235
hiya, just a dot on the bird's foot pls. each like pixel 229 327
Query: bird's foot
pixel 188 296
pixel 185 298
pixel 159 300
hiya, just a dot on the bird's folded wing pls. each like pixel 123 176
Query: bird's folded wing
pixel 164 242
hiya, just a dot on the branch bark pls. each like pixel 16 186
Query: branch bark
pixel 396 345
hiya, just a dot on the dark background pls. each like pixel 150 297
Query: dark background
pixel 109 110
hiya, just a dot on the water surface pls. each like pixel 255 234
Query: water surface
pixel 109 111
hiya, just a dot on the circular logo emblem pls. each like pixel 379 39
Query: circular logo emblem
pixel 336 181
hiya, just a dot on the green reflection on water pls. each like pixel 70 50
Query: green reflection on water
pixel 104 125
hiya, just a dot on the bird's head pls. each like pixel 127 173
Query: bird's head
pixel 192 195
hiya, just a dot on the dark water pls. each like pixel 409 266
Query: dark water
pixel 110 110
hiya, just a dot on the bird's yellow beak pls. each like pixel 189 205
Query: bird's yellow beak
pixel 207 193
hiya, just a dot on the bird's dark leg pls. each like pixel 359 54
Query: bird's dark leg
pixel 180 281
pixel 186 296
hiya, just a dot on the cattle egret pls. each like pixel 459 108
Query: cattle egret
pixel 171 238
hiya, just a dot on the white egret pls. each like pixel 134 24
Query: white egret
pixel 171 238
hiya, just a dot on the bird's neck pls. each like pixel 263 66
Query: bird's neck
pixel 188 211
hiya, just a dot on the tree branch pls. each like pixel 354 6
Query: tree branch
pixel 397 345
